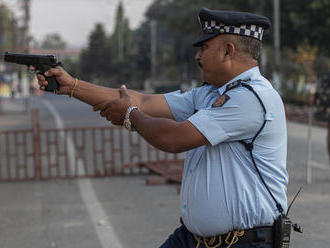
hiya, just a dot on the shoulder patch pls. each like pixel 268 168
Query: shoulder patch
pixel 221 101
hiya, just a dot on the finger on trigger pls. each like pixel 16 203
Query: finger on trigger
pixel 40 77
pixel 53 72
pixel 43 83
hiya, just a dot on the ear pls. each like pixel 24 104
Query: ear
pixel 230 50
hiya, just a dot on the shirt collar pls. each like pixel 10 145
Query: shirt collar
pixel 249 74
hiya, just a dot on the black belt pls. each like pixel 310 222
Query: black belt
pixel 258 234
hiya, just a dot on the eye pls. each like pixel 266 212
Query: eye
pixel 203 47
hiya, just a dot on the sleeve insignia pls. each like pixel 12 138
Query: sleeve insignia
pixel 221 101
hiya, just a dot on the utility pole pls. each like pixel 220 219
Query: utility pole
pixel 119 29
pixel 24 82
pixel 25 28
pixel 120 41
pixel 277 45
pixel 153 51
pixel 150 83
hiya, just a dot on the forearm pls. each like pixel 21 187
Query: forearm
pixel 94 94
pixel 154 105
pixel 156 131
pixel 166 134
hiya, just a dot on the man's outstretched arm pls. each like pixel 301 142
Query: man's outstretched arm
pixel 151 104
pixel 166 134
pixel 163 133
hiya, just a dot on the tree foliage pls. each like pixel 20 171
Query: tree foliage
pixel 125 56
pixel 95 59
pixel 53 41
pixel 8 27
pixel 109 59
pixel 306 21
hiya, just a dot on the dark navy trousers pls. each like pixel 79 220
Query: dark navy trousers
pixel 182 238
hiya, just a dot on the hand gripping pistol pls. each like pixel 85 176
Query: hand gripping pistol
pixel 41 63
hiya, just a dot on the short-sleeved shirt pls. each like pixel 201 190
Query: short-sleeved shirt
pixel 221 189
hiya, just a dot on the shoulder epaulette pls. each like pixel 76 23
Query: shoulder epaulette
pixel 236 84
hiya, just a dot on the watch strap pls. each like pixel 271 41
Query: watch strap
pixel 127 122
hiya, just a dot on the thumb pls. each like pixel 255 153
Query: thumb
pixel 53 72
pixel 123 92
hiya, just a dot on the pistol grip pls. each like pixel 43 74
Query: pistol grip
pixel 52 84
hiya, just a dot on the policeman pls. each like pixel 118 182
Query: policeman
pixel 322 100
pixel 232 129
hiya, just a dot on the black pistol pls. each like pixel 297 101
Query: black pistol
pixel 40 62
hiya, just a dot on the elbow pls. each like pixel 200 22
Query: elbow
pixel 171 149
pixel 170 144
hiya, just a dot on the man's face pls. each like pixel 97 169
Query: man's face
pixel 210 59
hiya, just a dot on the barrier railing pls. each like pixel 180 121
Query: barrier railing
pixel 40 154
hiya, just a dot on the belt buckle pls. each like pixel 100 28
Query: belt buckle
pixel 230 239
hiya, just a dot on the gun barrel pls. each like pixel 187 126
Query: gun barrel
pixel 30 59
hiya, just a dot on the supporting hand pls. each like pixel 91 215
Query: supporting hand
pixel 114 111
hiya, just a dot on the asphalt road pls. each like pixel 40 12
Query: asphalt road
pixel 124 211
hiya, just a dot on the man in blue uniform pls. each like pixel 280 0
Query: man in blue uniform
pixel 233 129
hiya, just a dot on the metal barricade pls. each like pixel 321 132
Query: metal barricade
pixel 41 154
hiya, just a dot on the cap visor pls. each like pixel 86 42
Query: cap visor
pixel 202 38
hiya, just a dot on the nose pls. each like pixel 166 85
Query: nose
pixel 198 55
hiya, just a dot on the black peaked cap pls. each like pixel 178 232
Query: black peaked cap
pixel 216 22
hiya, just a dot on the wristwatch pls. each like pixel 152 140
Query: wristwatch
pixel 127 123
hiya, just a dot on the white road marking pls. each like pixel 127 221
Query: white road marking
pixel 74 224
pixel 313 164
pixel 319 165
pixel 95 210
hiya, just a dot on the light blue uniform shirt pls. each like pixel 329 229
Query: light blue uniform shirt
pixel 221 189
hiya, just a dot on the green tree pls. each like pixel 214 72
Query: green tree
pixel 53 41
pixel 95 59
pixel 178 23
pixel 302 22
pixel 8 29
pixel 306 21
pixel 121 39
pixel 110 58
pixel 127 54
pixel 123 50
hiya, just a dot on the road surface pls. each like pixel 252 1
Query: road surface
pixel 128 213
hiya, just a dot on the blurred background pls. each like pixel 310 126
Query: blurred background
pixel 148 43
pixel 145 44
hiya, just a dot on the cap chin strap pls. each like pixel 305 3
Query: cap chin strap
pixel 249 145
